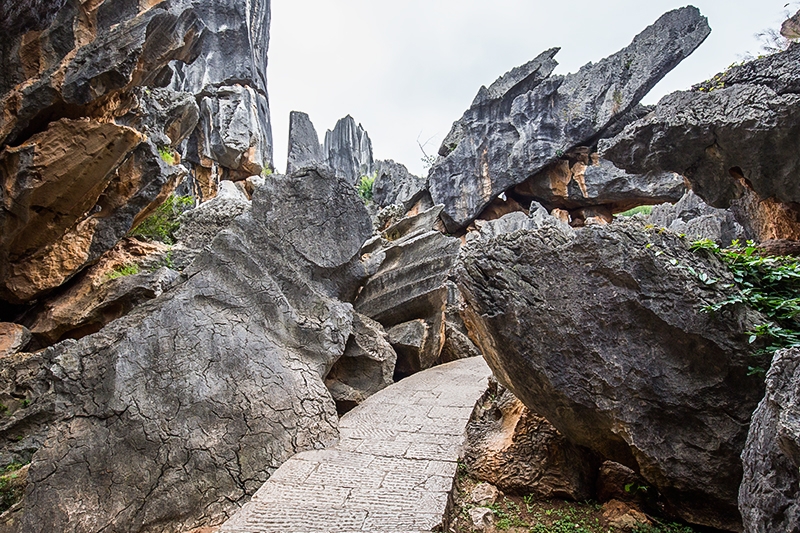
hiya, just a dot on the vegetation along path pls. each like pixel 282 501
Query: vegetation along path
pixel 392 469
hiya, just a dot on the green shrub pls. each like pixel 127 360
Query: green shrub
pixel 167 155
pixel 365 187
pixel 770 285
pixel 642 209
pixel 165 221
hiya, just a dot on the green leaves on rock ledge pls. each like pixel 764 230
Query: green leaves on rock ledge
pixel 770 285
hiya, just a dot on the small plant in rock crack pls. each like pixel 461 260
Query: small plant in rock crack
pixel 365 187
pixel 770 285
pixel 165 220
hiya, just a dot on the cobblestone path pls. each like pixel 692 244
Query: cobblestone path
pixel 392 469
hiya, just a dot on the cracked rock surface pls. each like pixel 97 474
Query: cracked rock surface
pixel 171 416
pixel 600 331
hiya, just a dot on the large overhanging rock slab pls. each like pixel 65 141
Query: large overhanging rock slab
pixel 601 332
pixel 170 417
pixel 743 127
pixel 516 128
pixel 769 498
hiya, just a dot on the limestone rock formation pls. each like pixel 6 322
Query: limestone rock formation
pixel 600 331
pixel 394 184
pixel 590 182
pixel 304 147
pixel 742 131
pixel 366 366
pixel 229 76
pixel 769 498
pixel 407 291
pixel 174 413
pixel 528 119
pixel 522 453
pixel 694 218
pixel 348 149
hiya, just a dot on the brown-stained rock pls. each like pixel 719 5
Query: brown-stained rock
pixel 100 295
pixel 418 343
pixel 618 482
pixel 13 338
pixel 623 517
pixel 522 453
pixel 766 219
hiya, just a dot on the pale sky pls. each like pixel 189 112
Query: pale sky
pixel 408 69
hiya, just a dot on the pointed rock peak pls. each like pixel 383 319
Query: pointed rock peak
pixel 304 147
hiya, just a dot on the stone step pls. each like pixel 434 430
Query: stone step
pixel 392 469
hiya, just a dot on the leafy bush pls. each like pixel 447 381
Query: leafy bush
pixel 164 222
pixel 770 285
pixel 167 155
pixel 365 187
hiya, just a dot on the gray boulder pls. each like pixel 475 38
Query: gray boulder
pixel 304 147
pixel 769 498
pixel 170 417
pixel 600 331
pixel 694 218
pixel 746 126
pixel 502 141
pixel 394 184
pixel 349 150
pixel 366 366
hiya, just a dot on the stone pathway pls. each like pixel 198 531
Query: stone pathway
pixel 392 469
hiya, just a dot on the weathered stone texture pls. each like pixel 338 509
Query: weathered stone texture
pixel 158 424
pixel 304 146
pixel 394 184
pixel 601 332
pixel 769 498
pixel 349 150
pixel 746 128
pixel 522 127
pixel 694 218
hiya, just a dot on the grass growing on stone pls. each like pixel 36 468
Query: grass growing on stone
pixel 365 187
pixel 121 271
pixel 12 485
pixel 642 209
pixel 165 221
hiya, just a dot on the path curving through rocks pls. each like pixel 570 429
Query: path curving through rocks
pixel 392 469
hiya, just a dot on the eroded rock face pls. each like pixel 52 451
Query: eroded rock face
pixel 769 498
pixel 694 218
pixel 747 127
pixel 171 415
pixel 349 150
pixel 304 147
pixel 522 453
pixel 13 338
pixel 600 330
pixel 394 184
pixel 528 119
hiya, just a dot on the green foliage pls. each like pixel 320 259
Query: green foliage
pixel 365 187
pixel 128 269
pixel 167 155
pixel 770 285
pixel 165 221
pixel 266 171
pixel 11 487
pixel 642 209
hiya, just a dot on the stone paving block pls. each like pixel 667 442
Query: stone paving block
pixel 391 471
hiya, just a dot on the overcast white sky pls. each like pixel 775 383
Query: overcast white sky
pixel 406 69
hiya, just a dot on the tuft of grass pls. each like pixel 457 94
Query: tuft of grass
pixel 128 269
pixel 167 155
pixel 642 209
pixel 12 486
pixel 165 221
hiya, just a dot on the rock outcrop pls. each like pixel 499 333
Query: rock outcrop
pixel 394 184
pixel 522 453
pixel 172 415
pixel 528 119
pixel 600 331
pixel 304 147
pixel 740 131
pixel 348 149
pixel 769 498
pixel 694 218
pixel 13 338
